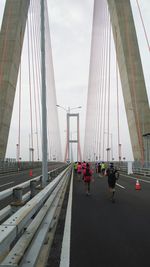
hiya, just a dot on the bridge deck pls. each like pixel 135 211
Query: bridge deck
pixel 104 234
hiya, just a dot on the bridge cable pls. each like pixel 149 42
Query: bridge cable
pixel 35 80
pixel 105 87
pixel 20 90
pixel 30 93
pixel 118 115
pixel 88 115
pixel 36 30
pixel 102 84
pixel 101 78
pixel 144 28
pixel 98 91
pixel 108 107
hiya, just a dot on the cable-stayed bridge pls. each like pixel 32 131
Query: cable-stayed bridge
pixel 37 182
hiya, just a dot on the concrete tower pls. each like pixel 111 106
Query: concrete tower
pixel 132 78
pixel 11 40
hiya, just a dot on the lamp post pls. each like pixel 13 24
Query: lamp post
pixel 31 146
pixel 119 152
pixel 110 148
pixel 18 158
pixel 17 152
pixel 31 149
pixel 37 144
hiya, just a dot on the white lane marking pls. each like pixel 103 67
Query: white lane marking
pixel 6 184
pixel 65 251
pixel 120 186
pixel 134 178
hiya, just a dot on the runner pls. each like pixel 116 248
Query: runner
pixel 87 177
pixel 79 170
pixel 113 175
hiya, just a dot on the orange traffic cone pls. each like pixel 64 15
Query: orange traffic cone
pixel 137 185
pixel 30 173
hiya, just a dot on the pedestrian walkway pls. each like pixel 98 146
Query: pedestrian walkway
pixel 106 234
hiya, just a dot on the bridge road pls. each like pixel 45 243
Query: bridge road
pixel 104 234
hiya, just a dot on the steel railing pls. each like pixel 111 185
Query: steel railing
pixel 24 232
pixel 51 175
pixel 137 167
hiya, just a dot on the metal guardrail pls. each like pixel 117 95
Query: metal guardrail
pixel 136 168
pixel 23 234
pixel 51 175
pixel 17 192
pixel 143 171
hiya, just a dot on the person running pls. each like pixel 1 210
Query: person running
pixel 99 167
pixel 83 165
pixel 113 175
pixel 79 170
pixel 96 167
pixel 75 166
pixel 102 168
pixel 87 177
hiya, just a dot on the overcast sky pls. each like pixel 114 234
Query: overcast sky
pixel 70 24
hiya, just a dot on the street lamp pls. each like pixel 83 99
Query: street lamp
pixel 110 148
pixel 31 146
pixel 119 152
pixel 68 110
pixel 31 149
pixel 37 144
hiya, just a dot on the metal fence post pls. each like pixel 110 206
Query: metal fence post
pixel 33 188
pixel 17 197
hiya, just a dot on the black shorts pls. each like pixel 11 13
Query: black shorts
pixel 111 185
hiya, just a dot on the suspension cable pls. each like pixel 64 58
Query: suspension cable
pixel 144 28
pixel 105 86
pixel 108 107
pixel 29 73
pixel 37 61
pixel 33 49
pixel 102 85
pixel 118 115
pixel 19 116
pixel 98 97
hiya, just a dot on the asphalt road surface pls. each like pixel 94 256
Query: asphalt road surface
pixel 106 234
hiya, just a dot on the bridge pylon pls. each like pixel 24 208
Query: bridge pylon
pixel 11 41
pixel 132 78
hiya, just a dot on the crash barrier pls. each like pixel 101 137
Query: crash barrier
pixel 137 167
pixel 23 234
pixel 17 192
pixel 142 171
